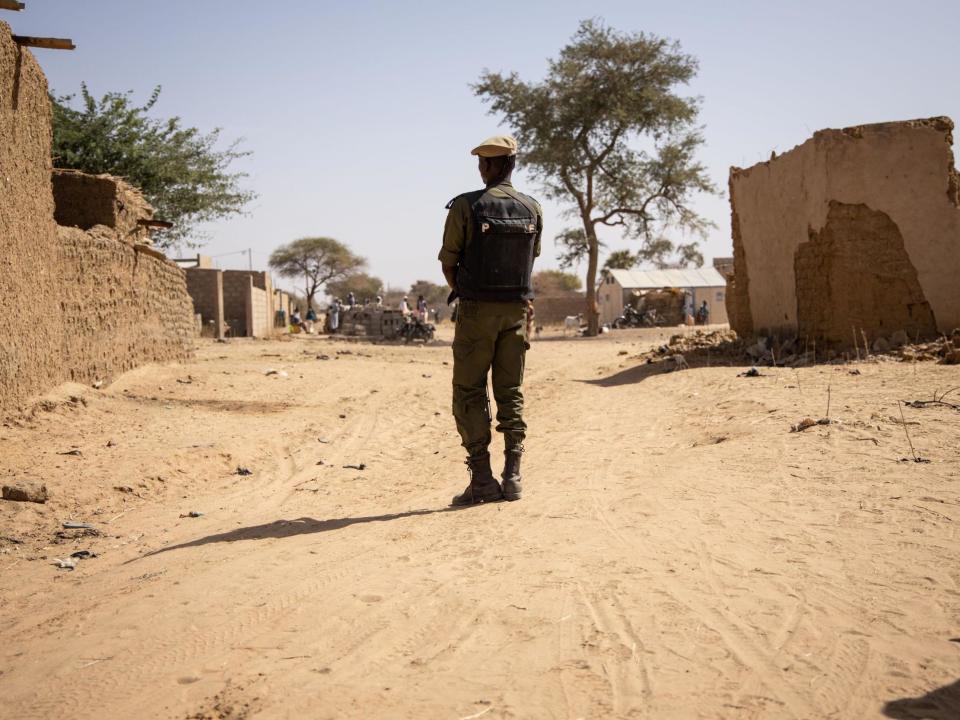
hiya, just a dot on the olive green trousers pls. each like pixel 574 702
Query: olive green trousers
pixel 490 337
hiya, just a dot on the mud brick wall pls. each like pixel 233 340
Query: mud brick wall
pixel 83 201
pixel 74 304
pixel 552 309
pixel 28 284
pixel 206 291
pixel 855 230
pixel 122 306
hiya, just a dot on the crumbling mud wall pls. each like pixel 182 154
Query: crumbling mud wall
pixel 122 305
pixel 738 285
pixel 83 201
pixel 855 229
pixel 30 327
pixel 75 304
pixel 858 263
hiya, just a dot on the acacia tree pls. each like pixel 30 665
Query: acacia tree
pixel 620 260
pixel 180 170
pixel 315 260
pixel 606 133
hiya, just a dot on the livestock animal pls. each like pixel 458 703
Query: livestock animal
pixel 572 321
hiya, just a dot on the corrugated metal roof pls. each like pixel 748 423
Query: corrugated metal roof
pixel 691 278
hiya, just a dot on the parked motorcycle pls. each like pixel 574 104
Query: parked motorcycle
pixel 415 330
pixel 634 318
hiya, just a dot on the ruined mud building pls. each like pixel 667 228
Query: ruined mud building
pixel 854 233
pixel 83 296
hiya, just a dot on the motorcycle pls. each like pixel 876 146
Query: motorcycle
pixel 415 330
pixel 633 318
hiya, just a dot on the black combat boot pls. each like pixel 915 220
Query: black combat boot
pixel 483 485
pixel 512 489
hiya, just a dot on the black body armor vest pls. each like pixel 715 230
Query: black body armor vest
pixel 498 261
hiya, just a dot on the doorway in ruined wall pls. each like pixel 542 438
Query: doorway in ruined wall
pixel 855 276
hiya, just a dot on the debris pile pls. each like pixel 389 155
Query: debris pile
pixel 724 345
pixel 719 342
pixel 944 350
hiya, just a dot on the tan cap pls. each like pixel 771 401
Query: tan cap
pixel 497 146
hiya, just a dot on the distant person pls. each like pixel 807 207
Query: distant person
pixel 405 306
pixel 379 302
pixel 488 263
pixel 703 314
pixel 333 313
pixel 351 300
pixel 422 308
pixel 297 321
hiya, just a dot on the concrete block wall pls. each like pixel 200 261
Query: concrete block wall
pixel 205 286
pixel 261 322
pixel 237 292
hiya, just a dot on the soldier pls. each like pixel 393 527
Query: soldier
pixel 490 240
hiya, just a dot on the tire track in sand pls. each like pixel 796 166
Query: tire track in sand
pixel 738 640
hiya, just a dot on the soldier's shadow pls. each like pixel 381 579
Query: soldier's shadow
pixel 279 529
pixel 942 703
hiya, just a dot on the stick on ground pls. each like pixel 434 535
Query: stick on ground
pixel 906 432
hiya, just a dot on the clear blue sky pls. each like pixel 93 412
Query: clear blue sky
pixel 360 117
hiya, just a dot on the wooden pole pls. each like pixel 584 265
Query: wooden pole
pixel 11 5
pixel 48 43
pixel 163 224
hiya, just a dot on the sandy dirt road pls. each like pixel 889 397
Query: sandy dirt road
pixel 679 553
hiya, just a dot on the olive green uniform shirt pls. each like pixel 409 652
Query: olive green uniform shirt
pixel 458 231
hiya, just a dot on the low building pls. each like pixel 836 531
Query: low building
pixel 700 284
